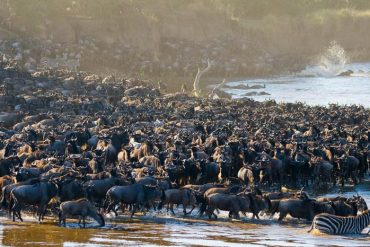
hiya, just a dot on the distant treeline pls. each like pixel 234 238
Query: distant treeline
pixel 295 28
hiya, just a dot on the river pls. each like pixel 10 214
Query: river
pixel 161 229
pixel 331 79
pixel 314 86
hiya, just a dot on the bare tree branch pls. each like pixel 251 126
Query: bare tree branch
pixel 196 87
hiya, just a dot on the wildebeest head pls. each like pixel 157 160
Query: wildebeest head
pixel 8 150
pixel 359 202
pixel 100 220
pixel 323 207
pixel 23 175
pixel 52 189
pixel 119 139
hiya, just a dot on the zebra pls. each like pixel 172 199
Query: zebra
pixel 332 224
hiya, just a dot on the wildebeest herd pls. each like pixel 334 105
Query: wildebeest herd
pixel 106 144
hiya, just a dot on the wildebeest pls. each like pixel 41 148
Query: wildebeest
pixel 70 189
pixel 82 208
pixel 182 196
pixel 97 189
pixel 246 175
pixel 134 194
pixel 38 194
pixel 232 203
pixel 6 196
pixel 348 168
pixel 210 172
pixel 302 209
pixel 8 164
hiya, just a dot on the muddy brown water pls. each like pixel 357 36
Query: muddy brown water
pixel 160 229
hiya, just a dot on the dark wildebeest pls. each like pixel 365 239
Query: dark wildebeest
pixel 232 203
pixel 210 172
pixel 137 194
pixel 38 194
pixel 214 190
pixel 178 196
pixel 303 209
pixel 8 164
pixel 82 208
pixel 5 195
pixel 348 168
pixel 97 189
pixel 70 188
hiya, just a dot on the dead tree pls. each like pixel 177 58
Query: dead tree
pixel 218 87
pixel 196 88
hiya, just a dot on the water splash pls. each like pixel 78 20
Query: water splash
pixel 331 63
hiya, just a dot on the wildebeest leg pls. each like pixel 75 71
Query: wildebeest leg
pixel 44 212
pixel 184 209
pixel 13 215
pixel 171 208
pixel 236 215
pixel 282 216
pixel 115 211
pixel 60 217
pixel 83 221
pixel 191 209
pixel 135 207
pixel 202 209
pixel 10 207
pixel 40 212
pixel 112 206
pixel 256 215
pixel 354 177
pixel 210 212
pixel 154 206
pixel 19 214
pixel 16 210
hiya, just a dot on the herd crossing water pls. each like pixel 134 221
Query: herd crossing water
pixel 156 229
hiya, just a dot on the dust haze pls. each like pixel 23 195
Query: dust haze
pixel 168 40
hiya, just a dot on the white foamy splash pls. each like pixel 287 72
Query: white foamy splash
pixel 331 63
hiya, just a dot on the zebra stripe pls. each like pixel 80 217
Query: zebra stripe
pixel 332 224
